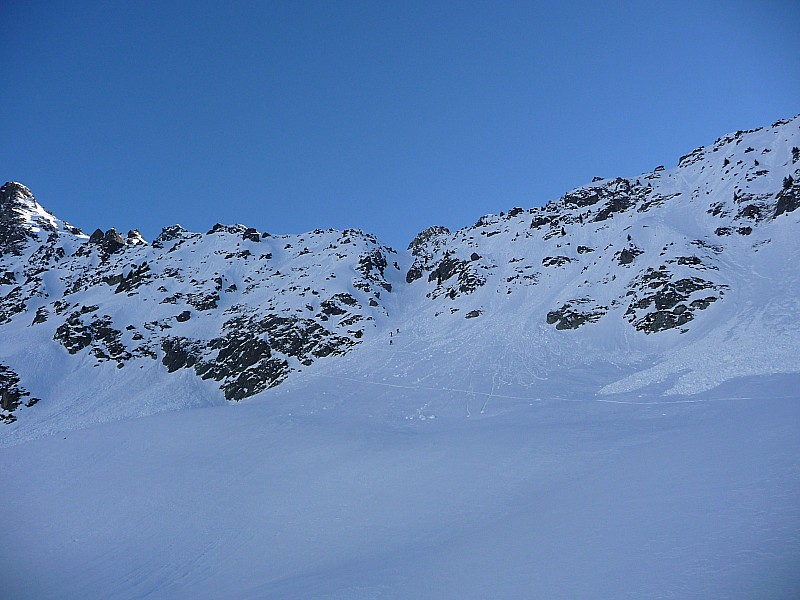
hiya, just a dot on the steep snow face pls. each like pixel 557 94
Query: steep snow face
pixel 674 281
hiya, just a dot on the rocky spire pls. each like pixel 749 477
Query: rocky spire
pixel 17 205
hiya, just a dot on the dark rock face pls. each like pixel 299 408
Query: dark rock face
pixel 788 199
pixel 540 221
pixel 425 248
pixel 614 205
pixel 418 243
pixel 251 234
pixel 372 267
pixel 203 300
pixel 337 305
pixel 723 231
pixel 621 196
pixel 13 234
pixel 414 273
pixel 660 302
pixel 472 314
pixel 751 211
pixel 75 334
pixel 180 353
pixel 168 234
pixel 107 342
pixel 627 255
pixel 41 315
pixel 12 395
pixel 556 261
pixel 243 359
pixel 692 261
pixel 584 197
pixel 138 276
pixel 575 313
pixel 134 238
pixel 110 241
pixel 467 278
pixel 232 229
pixel 446 269
pixel 616 195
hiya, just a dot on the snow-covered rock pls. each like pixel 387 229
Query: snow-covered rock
pixel 681 278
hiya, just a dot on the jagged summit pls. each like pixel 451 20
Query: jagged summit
pixel 15 195
pixel 21 217
pixel 673 278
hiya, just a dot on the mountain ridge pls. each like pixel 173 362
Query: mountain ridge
pixel 649 274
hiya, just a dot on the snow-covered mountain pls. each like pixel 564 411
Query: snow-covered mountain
pixel 593 399
pixel 681 278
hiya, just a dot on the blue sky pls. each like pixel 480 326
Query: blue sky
pixel 388 116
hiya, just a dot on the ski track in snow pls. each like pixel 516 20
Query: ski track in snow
pixel 530 399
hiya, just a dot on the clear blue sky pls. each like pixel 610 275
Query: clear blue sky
pixel 388 116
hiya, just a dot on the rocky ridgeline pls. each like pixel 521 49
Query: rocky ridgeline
pixel 245 309
pixel 236 306
pixel 619 244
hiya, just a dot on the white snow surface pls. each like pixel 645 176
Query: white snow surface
pixel 437 456
pixel 555 499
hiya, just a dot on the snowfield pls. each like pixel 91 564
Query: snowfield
pixel 598 398
pixel 566 498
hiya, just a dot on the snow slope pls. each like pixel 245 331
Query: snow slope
pixel 593 399
pixel 561 499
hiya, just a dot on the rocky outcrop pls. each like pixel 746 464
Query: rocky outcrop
pixel 254 353
pixel 575 313
pixel 455 277
pixel 109 242
pixel 659 301
pixel 556 261
pixel 14 199
pixel 627 255
pixel 788 197
pixel 83 329
pixel 12 395
pixel 419 243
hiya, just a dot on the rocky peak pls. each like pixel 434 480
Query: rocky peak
pixel 135 238
pixel 423 237
pixel 17 206
pixel 169 233
pixel 110 241
pixel 15 195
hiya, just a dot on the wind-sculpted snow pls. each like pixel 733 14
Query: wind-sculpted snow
pixel 647 279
